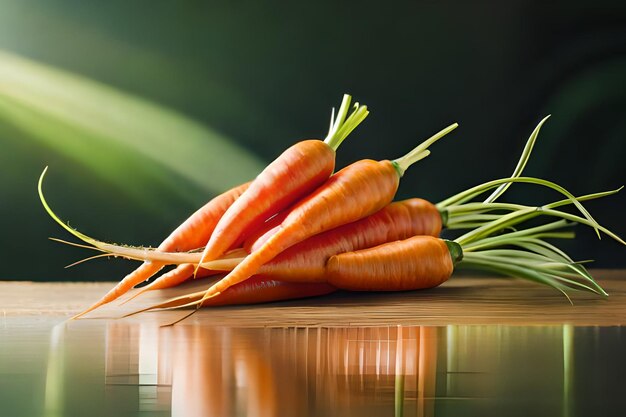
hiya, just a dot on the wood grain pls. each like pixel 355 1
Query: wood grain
pixel 462 300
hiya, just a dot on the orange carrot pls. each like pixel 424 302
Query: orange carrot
pixel 295 173
pixel 194 232
pixel 259 236
pixel 414 216
pixel 191 234
pixel 258 289
pixel 417 262
pixel 422 262
pixel 414 263
pixel 179 275
pixel 306 261
pixel 356 191
pixel 176 276
pixel 259 200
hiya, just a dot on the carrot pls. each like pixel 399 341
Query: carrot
pixel 414 263
pixel 356 191
pixel 192 233
pixel 425 262
pixel 419 262
pixel 394 222
pixel 295 173
pixel 384 259
pixel 200 227
pixel 454 216
pixel 520 253
pixel 414 216
pixel 306 261
pixel 182 272
pixel 179 275
pixel 258 289
pixel 259 236
pixel 174 277
pixel 299 169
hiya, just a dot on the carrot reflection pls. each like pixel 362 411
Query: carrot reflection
pixel 261 372
pixel 389 364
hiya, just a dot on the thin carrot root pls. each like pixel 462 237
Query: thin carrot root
pixel 146 270
pixel 184 271
pixel 185 317
pixel 174 277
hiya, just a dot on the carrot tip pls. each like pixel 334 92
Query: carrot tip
pixel 179 320
pixel 77 316
pixel 133 296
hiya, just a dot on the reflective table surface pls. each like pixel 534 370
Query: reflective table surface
pixel 201 367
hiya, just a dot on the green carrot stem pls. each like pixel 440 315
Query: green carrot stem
pixel 507 237
pixel 522 254
pixel 556 279
pixel 472 219
pixel 341 126
pixel 521 164
pixel 516 217
pixel 513 271
pixel 511 219
pixel 482 207
pixel 584 198
pixel 457 217
pixel 512 258
pixel 479 207
pixel 584 221
pixel 129 252
pixel 469 194
pixel 507 240
pixel 421 151
pixel 537 245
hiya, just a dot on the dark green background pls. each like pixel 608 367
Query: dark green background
pixel 266 74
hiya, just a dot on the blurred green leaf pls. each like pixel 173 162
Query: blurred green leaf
pixel 102 129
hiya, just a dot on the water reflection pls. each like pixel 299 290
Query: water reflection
pixel 331 371
pixel 197 370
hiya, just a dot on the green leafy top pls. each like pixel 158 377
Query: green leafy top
pixel 342 125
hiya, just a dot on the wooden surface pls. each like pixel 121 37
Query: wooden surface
pixel 462 300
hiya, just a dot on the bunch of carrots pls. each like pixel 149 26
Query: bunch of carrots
pixel 299 229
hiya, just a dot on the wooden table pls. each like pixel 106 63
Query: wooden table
pixel 462 300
